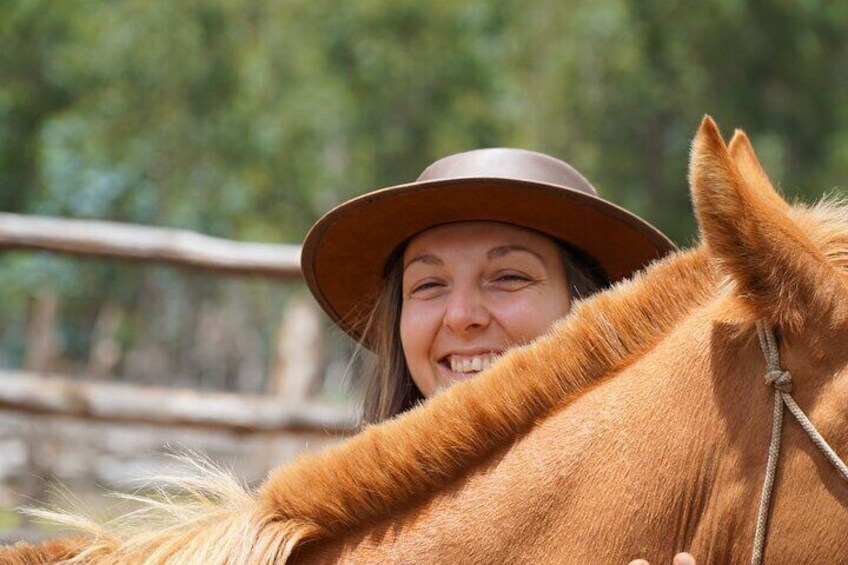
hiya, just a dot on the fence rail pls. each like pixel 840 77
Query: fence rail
pixel 156 244
pixel 126 403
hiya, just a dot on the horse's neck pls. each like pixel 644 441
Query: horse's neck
pixel 387 468
pixel 628 465
pixel 667 455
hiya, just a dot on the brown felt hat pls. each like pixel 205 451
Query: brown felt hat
pixel 345 253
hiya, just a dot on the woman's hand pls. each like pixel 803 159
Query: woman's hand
pixel 679 559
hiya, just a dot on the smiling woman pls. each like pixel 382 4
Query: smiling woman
pixel 481 253
pixel 472 290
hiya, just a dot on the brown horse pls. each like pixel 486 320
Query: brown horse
pixel 638 427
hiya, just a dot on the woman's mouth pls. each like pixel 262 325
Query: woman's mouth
pixel 470 364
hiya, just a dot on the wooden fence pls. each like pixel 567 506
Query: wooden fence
pixel 87 430
pixel 287 407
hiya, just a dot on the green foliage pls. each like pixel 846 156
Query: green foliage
pixel 248 120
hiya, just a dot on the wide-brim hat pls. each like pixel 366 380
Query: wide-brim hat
pixel 344 254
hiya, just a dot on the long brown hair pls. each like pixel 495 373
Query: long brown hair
pixel 386 383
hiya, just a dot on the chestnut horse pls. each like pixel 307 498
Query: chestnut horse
pixel 637 427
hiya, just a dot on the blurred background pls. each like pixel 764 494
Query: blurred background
pixel 246 120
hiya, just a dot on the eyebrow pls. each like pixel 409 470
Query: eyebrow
pixel 493 253
pixel 426 259
pixel 502 250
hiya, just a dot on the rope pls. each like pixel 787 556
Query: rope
pixel 782 382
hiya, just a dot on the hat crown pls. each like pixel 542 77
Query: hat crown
pixel 508 163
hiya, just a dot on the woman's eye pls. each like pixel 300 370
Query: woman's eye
pixel 511 281
pixel 425 286
pixel 512 277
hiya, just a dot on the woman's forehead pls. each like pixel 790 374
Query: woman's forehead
pixel 476 235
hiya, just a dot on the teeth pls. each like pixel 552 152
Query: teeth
pixel 473 364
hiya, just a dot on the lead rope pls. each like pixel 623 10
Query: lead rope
pixel 782 382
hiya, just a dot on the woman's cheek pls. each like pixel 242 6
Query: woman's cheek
pixel 417 333
pixel 524 318
pixel 416 329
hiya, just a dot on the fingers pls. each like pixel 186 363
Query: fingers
pixel 683 559
pixel 679 559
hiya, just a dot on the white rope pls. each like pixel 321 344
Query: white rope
pixel 816 436
pixel 782 382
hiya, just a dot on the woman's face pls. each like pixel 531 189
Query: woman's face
pixel 471 290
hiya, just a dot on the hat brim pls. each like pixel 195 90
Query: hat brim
pixel 344 253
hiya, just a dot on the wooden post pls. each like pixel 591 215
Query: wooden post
pixel 297 361
pixel 42 345
pixel 105 350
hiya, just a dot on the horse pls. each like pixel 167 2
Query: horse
pixel 638 426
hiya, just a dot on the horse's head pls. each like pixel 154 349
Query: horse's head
pixel 786 268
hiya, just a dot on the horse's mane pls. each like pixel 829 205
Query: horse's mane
pixel 826 225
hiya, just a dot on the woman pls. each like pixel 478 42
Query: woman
pixel 356 259
pixel 484 251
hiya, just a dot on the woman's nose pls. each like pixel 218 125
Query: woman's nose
pixel 466 312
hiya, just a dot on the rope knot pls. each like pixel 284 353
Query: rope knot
pixel 781 380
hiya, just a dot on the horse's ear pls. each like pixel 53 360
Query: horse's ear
pixel 750 168
pixel 781 275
